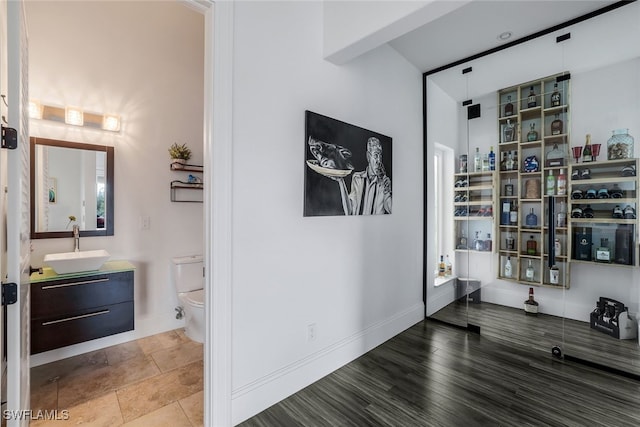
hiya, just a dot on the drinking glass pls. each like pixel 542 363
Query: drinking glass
pixel 577 153
pixel 595 151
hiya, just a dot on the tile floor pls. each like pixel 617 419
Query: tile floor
pixel 154 381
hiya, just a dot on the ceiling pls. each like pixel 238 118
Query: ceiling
pixel 475 27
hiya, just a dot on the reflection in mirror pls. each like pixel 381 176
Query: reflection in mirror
pixel 71 184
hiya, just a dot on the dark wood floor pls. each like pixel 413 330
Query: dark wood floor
pixel 542 332
pixel 437 375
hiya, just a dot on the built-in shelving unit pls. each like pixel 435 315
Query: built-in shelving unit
pixel 533 143
pixel 604 212
pixel 474 208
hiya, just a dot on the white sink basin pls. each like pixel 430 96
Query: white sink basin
pixel 76 262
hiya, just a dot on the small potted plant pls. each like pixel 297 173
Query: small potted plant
pixel 180 154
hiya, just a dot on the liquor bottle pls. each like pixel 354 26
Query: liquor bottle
pixel 603 253
pixel 508 107
pixel 532 135
pixel 554 275
pixel 508 268
pixel 508 132
pixel 555 156
pixel 477 161
pixel 557 247
pixel 556 97
pixel 478 244
pixel 503 161
pixel 441 267
pixel 510 164
pixel 492 159
pixel 462 242
pixel 532 219
pixel 508 188
pixel 561 218
pixel 488 243
pixel 586 151
pixel 505 214
pixel 510 242
pixel 485 162
pixel 530 273
pixel 513 214
pixel 531 305
pixel 531 99
pixel 532 247
pixel 556 125
pixel 448 268
pixel 551 184
pixel 562 183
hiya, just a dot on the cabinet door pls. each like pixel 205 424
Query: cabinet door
pixel 68 296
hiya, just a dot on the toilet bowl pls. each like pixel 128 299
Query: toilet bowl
pixel 187 276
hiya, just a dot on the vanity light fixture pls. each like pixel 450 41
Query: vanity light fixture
pixel 111 122
pixel 73 116
pixel 35 110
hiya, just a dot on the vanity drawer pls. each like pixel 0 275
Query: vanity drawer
pixel 83 325
pixel 59 297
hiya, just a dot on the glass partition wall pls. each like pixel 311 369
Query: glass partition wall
pixel 534 170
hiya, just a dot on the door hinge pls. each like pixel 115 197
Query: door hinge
pixel 9 138
pixel 9 293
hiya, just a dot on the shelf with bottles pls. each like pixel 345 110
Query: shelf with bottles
pixel 604 244
pixel 481 236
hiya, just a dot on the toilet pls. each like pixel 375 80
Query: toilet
pixel 187 275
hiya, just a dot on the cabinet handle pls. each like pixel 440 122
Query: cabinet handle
pixel 97 313
pixel 65 285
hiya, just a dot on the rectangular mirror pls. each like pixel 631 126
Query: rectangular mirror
pixel 70 179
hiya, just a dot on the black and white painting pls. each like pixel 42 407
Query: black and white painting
pixel 347 169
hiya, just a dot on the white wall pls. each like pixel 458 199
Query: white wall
pixel 359 280
pixel 352 28
pixel 143 60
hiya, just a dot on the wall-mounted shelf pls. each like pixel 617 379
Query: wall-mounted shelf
pixel 186 167
pixel 184 192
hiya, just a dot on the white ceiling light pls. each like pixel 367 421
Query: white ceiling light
pixel 504 36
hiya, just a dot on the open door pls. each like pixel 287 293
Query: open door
pixel 15 213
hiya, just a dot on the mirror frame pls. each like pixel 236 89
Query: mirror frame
pixel 109 188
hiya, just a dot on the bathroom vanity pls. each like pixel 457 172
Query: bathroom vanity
pixel 72 308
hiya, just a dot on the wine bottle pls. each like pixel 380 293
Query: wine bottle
pixel 448 268
pixel 441 267
pixel 508 107
pixel 531 99
pixel 492 159
pixel 556 97
pixel 586 151
pixel 551 184
pixel 508 268
pixel 531 305
pixel 513 214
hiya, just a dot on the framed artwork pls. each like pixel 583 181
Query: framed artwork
pixel 347 169
pixel 53 190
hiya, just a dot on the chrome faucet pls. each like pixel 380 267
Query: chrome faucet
pixel 76 238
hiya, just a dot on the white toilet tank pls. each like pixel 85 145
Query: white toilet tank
pixel 187 273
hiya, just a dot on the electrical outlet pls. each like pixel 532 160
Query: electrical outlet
pixel 311 332
pixel 145 223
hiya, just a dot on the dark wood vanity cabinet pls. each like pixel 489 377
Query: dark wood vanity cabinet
pixel 73 310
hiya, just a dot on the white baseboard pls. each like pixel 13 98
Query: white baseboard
pixel 252 398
